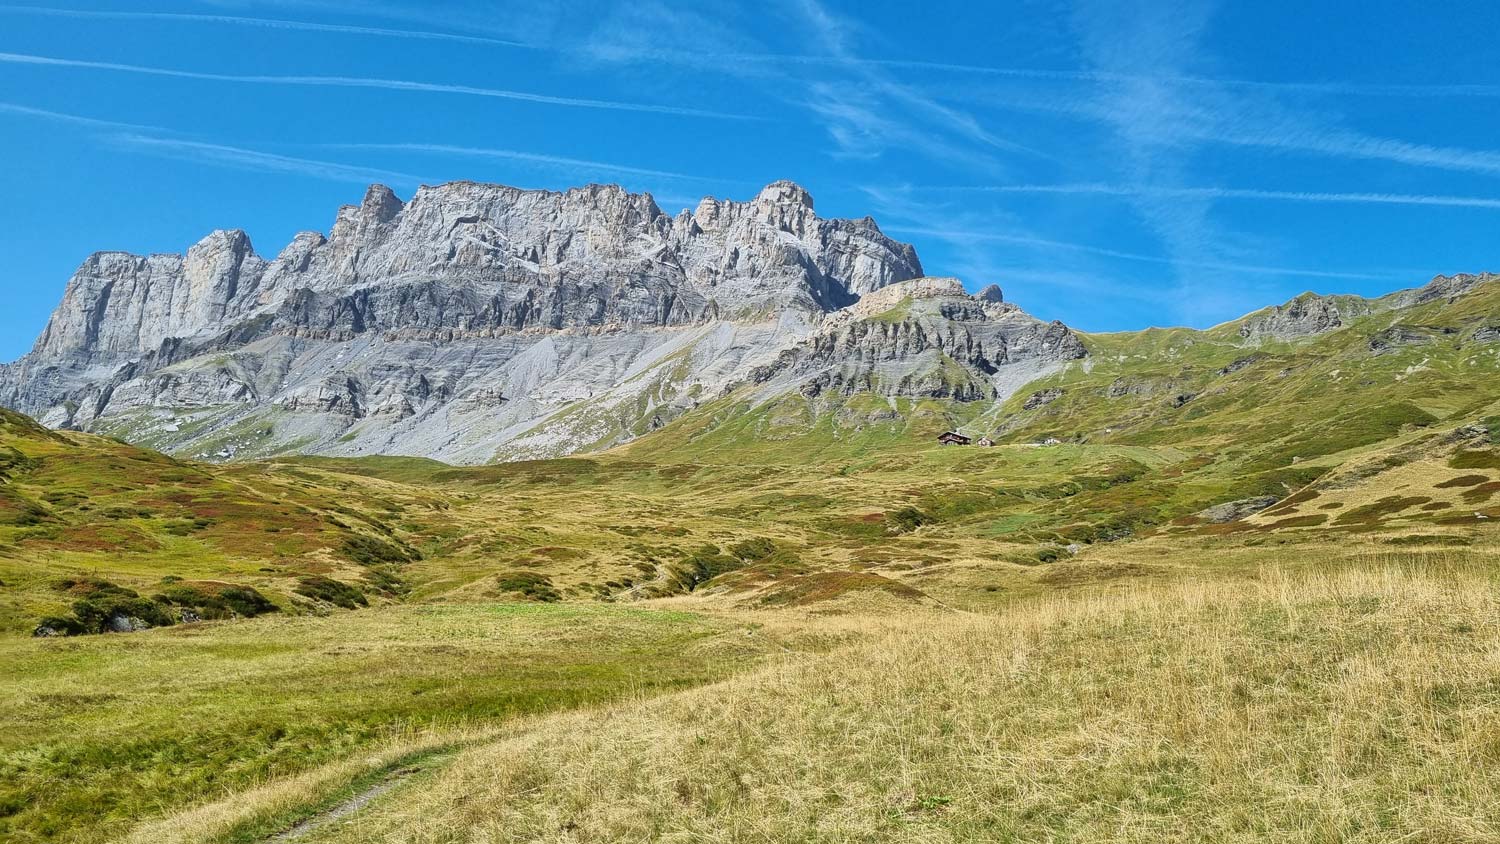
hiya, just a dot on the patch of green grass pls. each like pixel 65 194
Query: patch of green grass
pixel 97 733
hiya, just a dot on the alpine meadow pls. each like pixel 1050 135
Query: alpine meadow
pixel 592 511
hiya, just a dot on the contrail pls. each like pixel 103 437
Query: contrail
pixel 361 82
pixel 1235 193
pixel 264 161
pixel 1127 256
pixel 269 23
pixel 517 155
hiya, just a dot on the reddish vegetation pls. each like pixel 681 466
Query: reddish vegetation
pixel 827 585
pixel 98 537
pixel 1298 522
pixel 1482 493
pixel 1463 480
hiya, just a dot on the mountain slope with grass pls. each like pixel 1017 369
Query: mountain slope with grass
pixel 98 535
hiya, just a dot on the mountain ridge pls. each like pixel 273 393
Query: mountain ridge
pixel 476 309
pixel 476 322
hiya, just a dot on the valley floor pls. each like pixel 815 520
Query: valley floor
pixel 1355 704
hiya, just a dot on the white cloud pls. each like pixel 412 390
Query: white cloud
pixel 74 119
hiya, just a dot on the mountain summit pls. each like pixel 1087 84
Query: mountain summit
pixel 478 322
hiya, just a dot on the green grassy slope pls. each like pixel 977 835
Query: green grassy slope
pixel 79 509
pixel 100 732
pixel 1154 426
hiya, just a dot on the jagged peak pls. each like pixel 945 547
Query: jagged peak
pixel 381 203
pixel 237 239
pixel 991 293
pixel 784 192
pixel 926 287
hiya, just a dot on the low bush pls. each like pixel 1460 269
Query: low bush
pixel 702 565
pixel 1476 459
pixel 749 550
pixel 530 585
pixel 387 579
pixel 369 551
pixel 330 591
pixel 1444 540
pixel 905 520
pixel 103 607
pixel 215 601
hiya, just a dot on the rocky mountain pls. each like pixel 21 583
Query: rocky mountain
pixel 1310 313
pixel 925 338
pixel 479 322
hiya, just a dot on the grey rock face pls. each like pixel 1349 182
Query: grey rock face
pixel 461 324
pixel 1041 398
pixel 1311 314
pixel 1397 337
pixel 925 338
pixel 1443 287
pixel 467 258
pixel 1303 316
pixel 1233 511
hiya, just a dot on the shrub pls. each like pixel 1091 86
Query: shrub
pixel 701 566
pixel 1476 459
pixel 388 580
pixel 101 606
pixel 216 601
pixel 1431 539
pixel 120 513
pixel 331 591
pixel 529 584
pixel 757 548
pixel 905 520
pixel 369 551
pixel 1462 481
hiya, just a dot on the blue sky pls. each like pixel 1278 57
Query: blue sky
pixel 1112 163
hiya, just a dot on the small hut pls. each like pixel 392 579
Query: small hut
pixel 953 438
pixel 985 442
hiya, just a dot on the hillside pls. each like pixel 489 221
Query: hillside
pixel 1204 436
pixel 83 517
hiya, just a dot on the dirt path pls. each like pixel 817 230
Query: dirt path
pixel 339 811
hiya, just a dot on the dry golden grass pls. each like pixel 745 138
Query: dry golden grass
pixel 1352 706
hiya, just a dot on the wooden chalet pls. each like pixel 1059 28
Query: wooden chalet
pixel 953 438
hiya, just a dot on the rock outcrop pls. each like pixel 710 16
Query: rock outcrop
pixel 924 338
pixel 1303 316
pixel 1310 314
